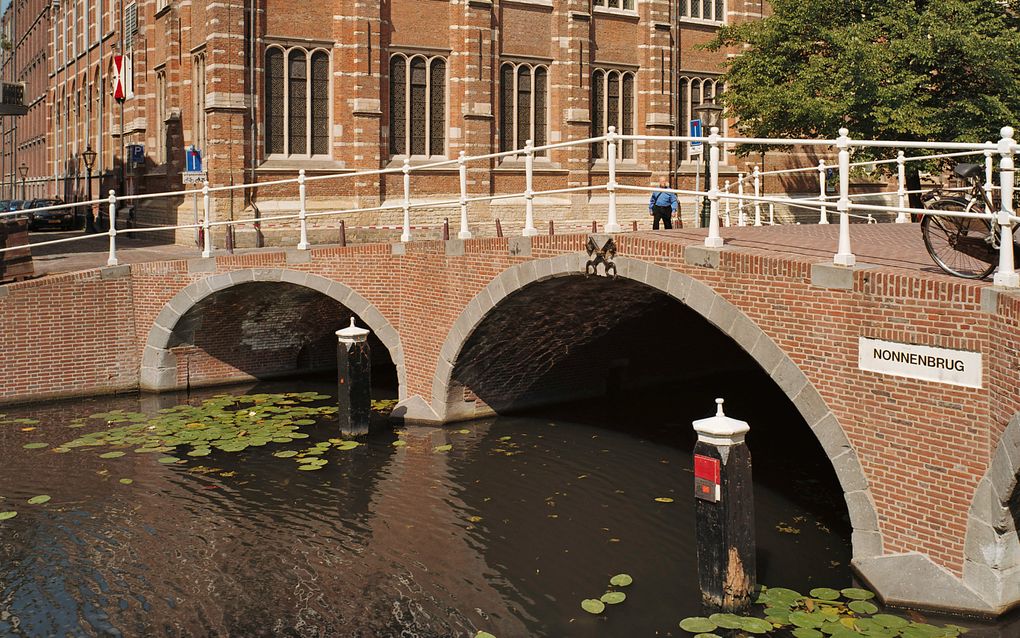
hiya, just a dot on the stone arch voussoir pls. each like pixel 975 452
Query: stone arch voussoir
pixel 159 366
pixel 867 539
pixel 992 548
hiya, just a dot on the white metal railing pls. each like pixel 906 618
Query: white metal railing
pixel 720 199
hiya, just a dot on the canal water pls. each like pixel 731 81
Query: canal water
pixel 506 531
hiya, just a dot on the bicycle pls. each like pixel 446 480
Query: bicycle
pixel 965 247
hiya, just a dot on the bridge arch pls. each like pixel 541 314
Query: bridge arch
pixel 159 365
pixel 992 547
pixel 723 315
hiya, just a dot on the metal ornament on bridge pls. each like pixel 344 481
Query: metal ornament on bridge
pixel 354 380
pixel 601 250
pixel 724 512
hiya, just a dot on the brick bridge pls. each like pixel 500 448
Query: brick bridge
pixel 928 469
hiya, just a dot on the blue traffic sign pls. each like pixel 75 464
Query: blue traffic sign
pixel 697 132
pixel 193 160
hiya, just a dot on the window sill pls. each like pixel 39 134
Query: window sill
pixel 533 3
pixel 616 13
pixel 703 22
pixel 310 164
pixel 416 161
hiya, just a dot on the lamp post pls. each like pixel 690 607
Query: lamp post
pixel 709 113
pixel 88 156
pixel 23 171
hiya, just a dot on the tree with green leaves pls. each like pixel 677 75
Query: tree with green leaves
pixel 925 70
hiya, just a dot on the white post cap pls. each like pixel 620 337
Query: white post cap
pixel 352 334
pixel 721 429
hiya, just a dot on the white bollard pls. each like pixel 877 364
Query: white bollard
pixel 726 214
pixel 757 193
pixel 1006 275
pixel 112 259
pixel 823 216
pixel 901 192
pixel 405 235
pixel 741 220
pixel 844 256
pixel 714 240
pixel 529 195
pixel 462 168
pixel 206 235
pixel 611 225
pixel 302 212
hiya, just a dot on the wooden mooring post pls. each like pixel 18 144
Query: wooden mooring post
pixel 354 380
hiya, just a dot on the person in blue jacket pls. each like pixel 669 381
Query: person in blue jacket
pixel 662 205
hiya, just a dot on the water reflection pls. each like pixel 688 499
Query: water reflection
pixel 507 531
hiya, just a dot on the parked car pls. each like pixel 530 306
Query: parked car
pixel 64 218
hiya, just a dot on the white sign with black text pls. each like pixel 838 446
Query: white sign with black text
pixel 954 367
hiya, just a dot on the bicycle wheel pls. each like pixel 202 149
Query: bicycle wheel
pixel 948 239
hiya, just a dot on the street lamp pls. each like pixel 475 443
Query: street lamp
pixel 88 156
pixel 23 171
pixel 709 113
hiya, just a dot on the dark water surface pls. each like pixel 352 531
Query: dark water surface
pixel 506 532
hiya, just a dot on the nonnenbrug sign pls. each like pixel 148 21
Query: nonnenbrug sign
pixel 953 367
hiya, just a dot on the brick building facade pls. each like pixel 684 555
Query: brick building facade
pixel 343 86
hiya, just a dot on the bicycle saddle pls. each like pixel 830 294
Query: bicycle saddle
pixel 968 170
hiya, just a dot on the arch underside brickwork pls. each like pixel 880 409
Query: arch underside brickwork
pixel 159 365
pixel 447 399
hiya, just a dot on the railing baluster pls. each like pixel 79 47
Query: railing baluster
pixel 714 240
pixel 405 236
pixel 901 191
pixel 611 225
pixel 207 236
pixel 112 259
pixel 462 168
pixel 302 211
pixel 756 176
pixel 772 214
pixel 1006 275
pixel 823 216
pixel 726 215
pixel 741 220
pixel 529 177
pixel 990 168
pixel 844 257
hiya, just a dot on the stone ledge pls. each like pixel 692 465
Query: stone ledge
pixel 115 272
pixel 295 256
pixel 990 298
pixel 912 580
pixel 414 410
pixel 4 291
pixel 702 256
pixel 398 249
pixel 454 247
pixel 204 264
pixel 831 276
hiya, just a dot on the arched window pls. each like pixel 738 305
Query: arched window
pixel 612 104
pixel 522 105
pixel 417 105
pixel 296 105
pixel 694 91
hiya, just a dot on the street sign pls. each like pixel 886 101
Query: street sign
pixel 188 177
pixel 136 154
pixel 119 91
pixel 696 131
pixel 192 160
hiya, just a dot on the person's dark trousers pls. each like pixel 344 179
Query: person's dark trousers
pixel 665 213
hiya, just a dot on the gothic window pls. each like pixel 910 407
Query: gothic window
pixel 612 104
pixel 417 105
pixel 693 92
pixel 522 106
pixel 161 117
pixel 616 4
pixel 198 96
pixel 297 102
pixel 708 10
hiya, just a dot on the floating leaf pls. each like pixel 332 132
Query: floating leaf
pixel 593 605
pixel 484 634
pixel 727 621
pixel 854 593
pixel 201 451
pixel 663 499
pixel 285 454
pixel 39 500
pixel 890 621
pixel 755 625
pixel 621 580
pixel 167 460
pixel 445 448
pixel 505 438
pixel 111 455
pixel 698 624
pixel 309 468
pixel 807 619
pixel 862 607
pixel 613 597
pixel 707 636
pixel 399 443
pixel 34 446
pixel 348 445
pixel 806 632
pixel 127 481
pixel 824 593
pixel 7 515
pixel 463 431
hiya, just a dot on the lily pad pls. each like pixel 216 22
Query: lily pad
pixel 824 593
pixel 727 621
pixel 807 619
pixel 593 605
pixel 806 632
pixel 349 445
pixel 463 431
pixel 613 597
pixel 755 625
pixel 111 455
pixel 126 481
pixel 484 634
pixel 698 624
pixel 39 500
pixel 447 448
pixel 890 621
pixel 621 580
pixel 167 460
pixel 35 446
pixel 854 593
pixel 309 468
pixel 399 443
pixel 7 515
pixel 285 454
pixel 862 607
pixel 663 499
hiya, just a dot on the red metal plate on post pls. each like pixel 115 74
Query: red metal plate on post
pixel 707 468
